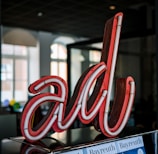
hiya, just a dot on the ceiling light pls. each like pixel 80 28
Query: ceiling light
pixel 39 14
pixel 112 7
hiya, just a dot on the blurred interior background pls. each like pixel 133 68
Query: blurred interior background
pixel 40 38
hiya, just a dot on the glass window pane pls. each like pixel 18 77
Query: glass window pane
pixel 7 49
pixel 7 88
pixel 58 51
pixel 59 69
pixel 58 64
pixel 95 56
pixel 21 80
pixel 76 66
pixel 63 70
pixel 54 68
pixel 54 51
pixel 7 69
pixel 20 90
pixel 21 69
pixel 7 79
pixel 62 52
pixel 20 50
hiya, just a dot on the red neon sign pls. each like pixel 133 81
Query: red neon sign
pixel 93 108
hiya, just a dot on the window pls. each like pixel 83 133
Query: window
pixel 15 72
pixel 58 60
